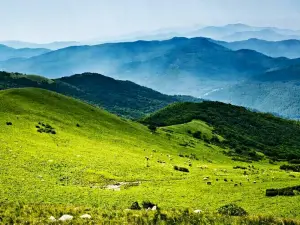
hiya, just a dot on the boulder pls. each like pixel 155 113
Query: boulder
pixel 65 217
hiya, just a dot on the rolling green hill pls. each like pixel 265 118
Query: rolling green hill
pixel 244 130
pixel 123 98
pixel 61 156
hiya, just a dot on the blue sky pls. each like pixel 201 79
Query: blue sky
pixel 61 20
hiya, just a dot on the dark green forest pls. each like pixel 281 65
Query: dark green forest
pixel 123 98
pixel 244 130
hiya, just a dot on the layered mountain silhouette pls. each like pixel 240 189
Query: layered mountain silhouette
pixel 276 92
pixel 287 48
pixel 7 53
pixel 179 65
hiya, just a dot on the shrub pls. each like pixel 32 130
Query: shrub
pixel 289 191
pixel 294 161
pixel 197 135
pixel 152 128
pixel 148 204
pixel 135 206
pixel 77 125
pixel 295 168
pixel 9 123
pixel 232 210
pixel 240 167
pixel 182 169
pixel 45 128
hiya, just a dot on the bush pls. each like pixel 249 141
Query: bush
pixel 42 128
pixel 295 168
pixel 240 167
pixel 232 210
pixel 294 161
pixel 197 135
pixel 152 128
pixel 9 123
pixel 135 206
pixel 148 204
pixel 289 191
pixel 182 169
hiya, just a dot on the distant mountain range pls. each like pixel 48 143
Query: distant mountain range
pixel 10 53
pixel 230 32
pixel 276 92
pixel 179 65
pixel 286 48
pixel 124 98
pixel 52 46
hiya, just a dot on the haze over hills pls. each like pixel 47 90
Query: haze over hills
pixel 123 98
pixel 231 32
pixel 53 46
pixel 265 34
pixel 179 65
pixel 287 48
pixel 275 91
pixel 7 53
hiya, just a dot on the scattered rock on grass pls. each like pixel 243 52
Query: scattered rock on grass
pixel 198 211
pixel 52 219
pixel 86 216
pixel 65 217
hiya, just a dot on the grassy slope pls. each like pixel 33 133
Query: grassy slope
pixel 70 167
pixel 244 130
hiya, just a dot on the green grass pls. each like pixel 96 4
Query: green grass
pixel 245 131
pixel 49 173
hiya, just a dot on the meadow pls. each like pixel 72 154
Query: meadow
pixel 43 174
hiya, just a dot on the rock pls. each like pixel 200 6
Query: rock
pixel 154 208
pixel 198 211
pixel 52 219
pixel 66 218
pixel 86 216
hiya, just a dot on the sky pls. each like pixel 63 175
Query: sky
pixel 44 21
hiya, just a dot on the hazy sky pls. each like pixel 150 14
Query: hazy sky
pixel 60 20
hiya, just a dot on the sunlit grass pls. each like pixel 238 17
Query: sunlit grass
pixel 71 168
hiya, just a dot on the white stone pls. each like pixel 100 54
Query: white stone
pixel 86 216
pixel 52 218
pixel 154 208
pixel 197 211
pixel 65 218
